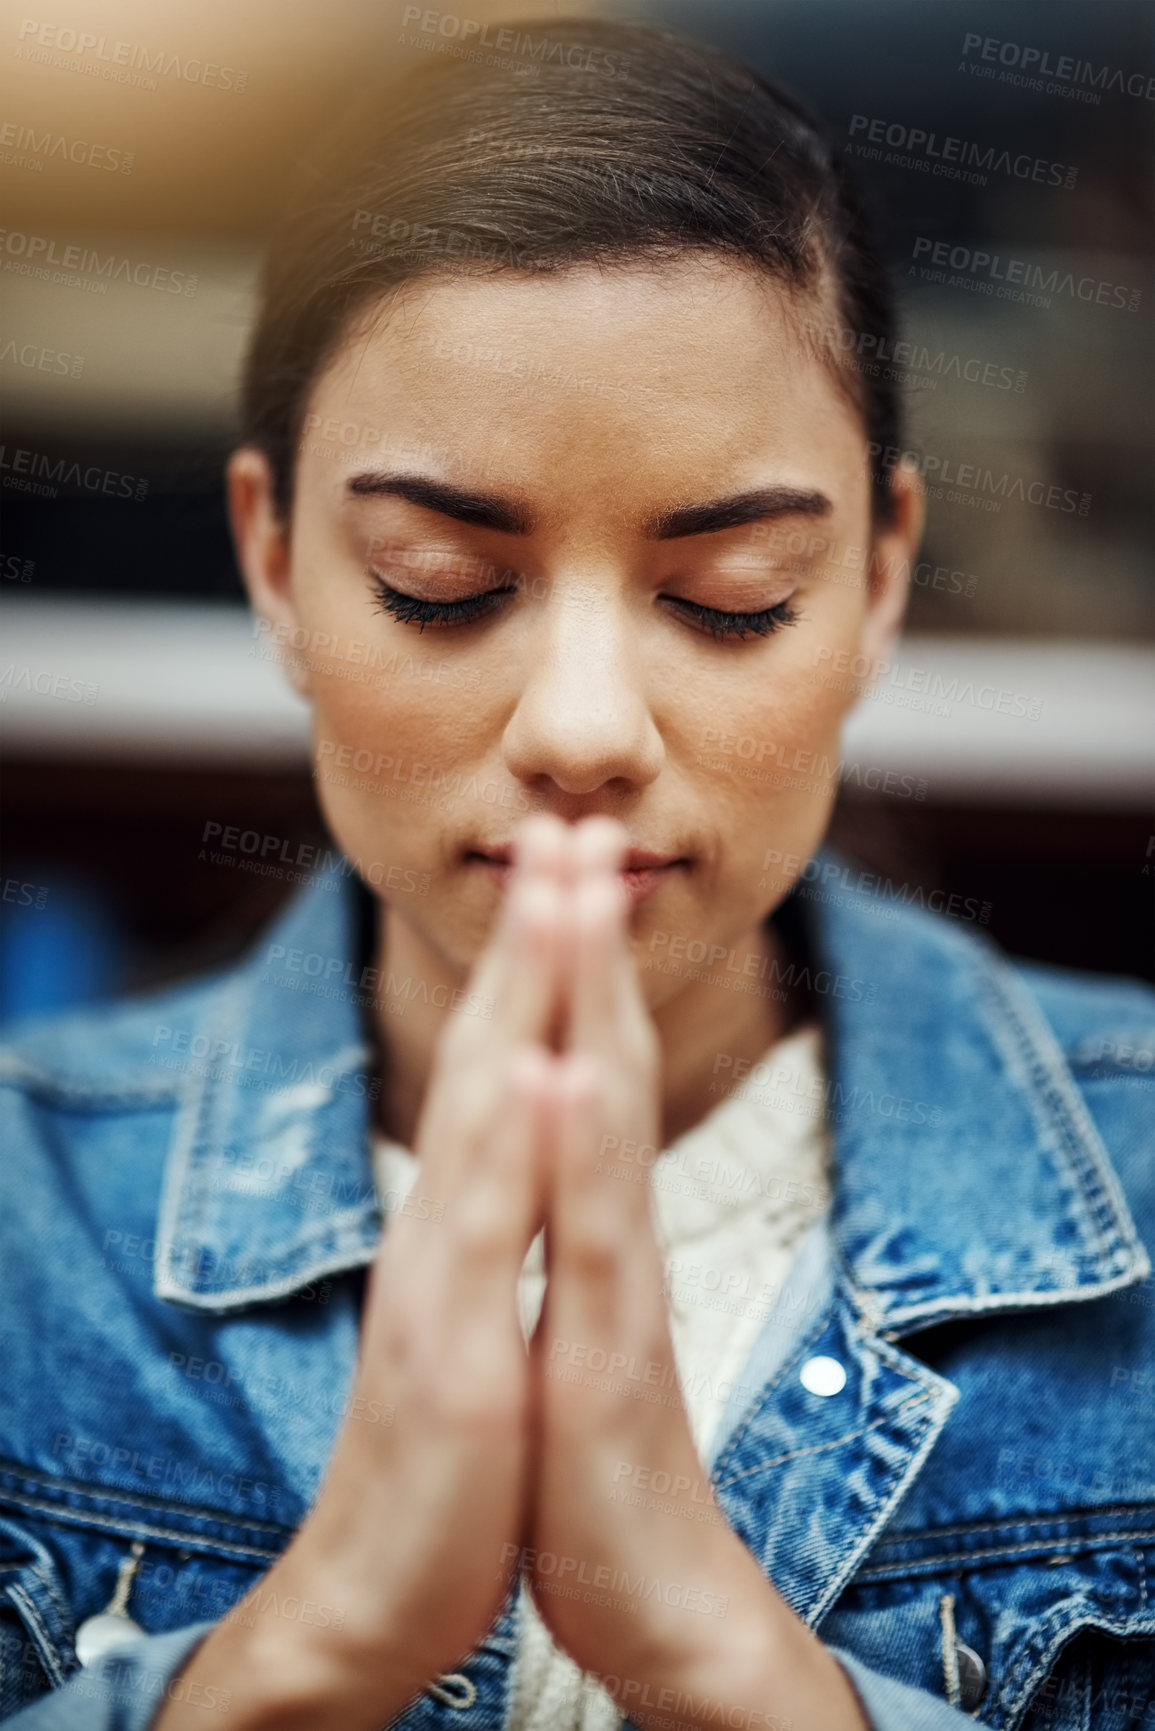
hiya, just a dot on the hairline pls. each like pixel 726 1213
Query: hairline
pixel 378 306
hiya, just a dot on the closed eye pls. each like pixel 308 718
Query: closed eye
pixel 722 624
pixel 411 610
pixel 717 622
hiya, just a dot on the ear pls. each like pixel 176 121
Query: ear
pixel 892 558
pixel 261 539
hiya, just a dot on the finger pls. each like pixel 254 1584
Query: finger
pixel 498 1201
pixel 604 1263
pixel 608 1013
pixel 519 977
pixel 522 977
pixel 591 938
pixel 468 1093
pixel 597 844
pixel 508 973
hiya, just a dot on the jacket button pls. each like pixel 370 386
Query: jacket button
pixel 97 1636
pixel 972 1677
pixel 823 1376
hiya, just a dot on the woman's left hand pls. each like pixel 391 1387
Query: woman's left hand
pixel 658 1593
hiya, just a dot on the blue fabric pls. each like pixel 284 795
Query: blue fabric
pixel 187 1206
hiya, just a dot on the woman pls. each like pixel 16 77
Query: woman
pixel 824 1224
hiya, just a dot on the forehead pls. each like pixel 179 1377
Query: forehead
pixel 693 365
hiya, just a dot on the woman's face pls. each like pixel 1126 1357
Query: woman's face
pixel 579 425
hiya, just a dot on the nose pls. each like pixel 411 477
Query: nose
pixel 582 719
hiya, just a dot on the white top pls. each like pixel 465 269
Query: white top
pixel 731 1200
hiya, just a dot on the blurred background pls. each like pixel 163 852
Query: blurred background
pixel 136 714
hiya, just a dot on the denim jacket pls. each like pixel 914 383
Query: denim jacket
pixel 968 1521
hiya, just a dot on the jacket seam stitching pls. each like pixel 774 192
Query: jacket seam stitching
pixel 1042 1653
pixel 46 1581
pixel 816 1331
pixel 174 1198
pixel 889 1570
pixel 910 1471
pixel 1069 1118
pixel 109 1494
pixel 47 1646
pixel 1021 1521
pixel 42 1085
pixel 907 1406
pixel 190 1541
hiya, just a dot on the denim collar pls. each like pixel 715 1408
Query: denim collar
pixel 969 1175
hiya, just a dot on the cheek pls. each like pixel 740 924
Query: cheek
pixel 376 748
pixel 767 747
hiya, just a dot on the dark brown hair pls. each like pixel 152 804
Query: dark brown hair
pixel 594 141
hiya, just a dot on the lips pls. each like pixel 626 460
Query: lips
pixel 638 859
pixel 642 872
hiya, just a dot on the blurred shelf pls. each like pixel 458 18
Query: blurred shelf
pixel 1013 722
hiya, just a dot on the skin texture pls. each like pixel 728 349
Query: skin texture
pixel 586 692
pixel 587 698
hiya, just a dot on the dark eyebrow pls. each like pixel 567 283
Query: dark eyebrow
pixel 485 510
pixel 735 511
pixel 489 511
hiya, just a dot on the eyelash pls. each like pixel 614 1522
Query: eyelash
pixel 722 626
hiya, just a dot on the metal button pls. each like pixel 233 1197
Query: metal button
pixel 972 1677
pixel 98 1635
pixel 823 1376
pixel 111 1627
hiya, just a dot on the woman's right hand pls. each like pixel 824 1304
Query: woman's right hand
pixel 416 1522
